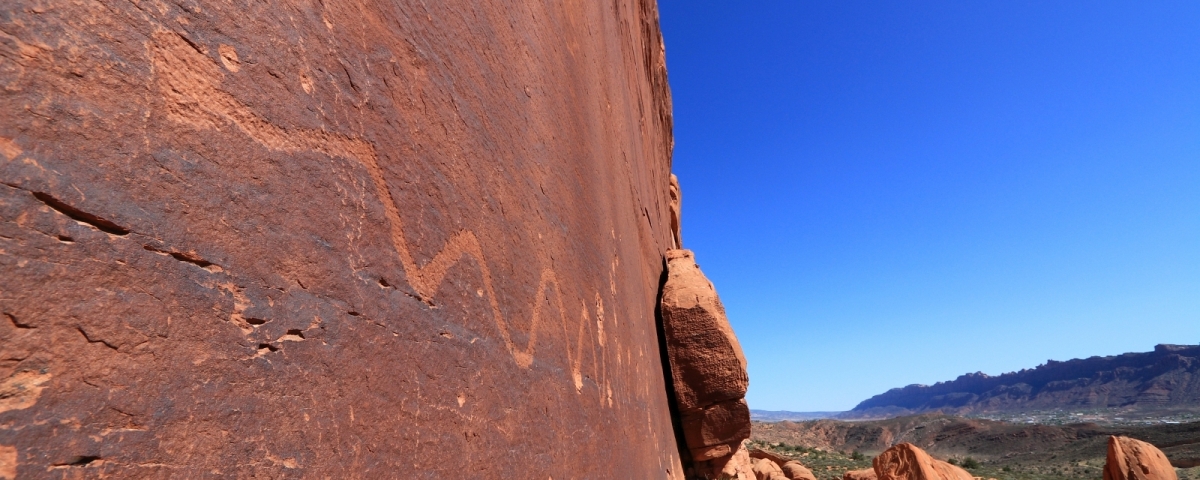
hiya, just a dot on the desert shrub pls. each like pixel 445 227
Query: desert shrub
pixel 970 463
pixel 952 461
pixel 857 455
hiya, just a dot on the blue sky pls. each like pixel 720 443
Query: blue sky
pixel 887 193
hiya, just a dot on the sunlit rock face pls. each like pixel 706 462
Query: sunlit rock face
pixel 1131 459
pixel 907 462
pixel 707 366
pixel 333 239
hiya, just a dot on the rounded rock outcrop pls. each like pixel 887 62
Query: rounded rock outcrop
pixel 907 462
pixel 1130 459
pixel 864 474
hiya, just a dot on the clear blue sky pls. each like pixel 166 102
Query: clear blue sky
pixel 887 193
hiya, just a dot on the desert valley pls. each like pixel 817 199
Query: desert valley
pixel 1049 422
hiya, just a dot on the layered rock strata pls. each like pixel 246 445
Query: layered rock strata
pixel 334 240
pixel 706 361
pixel 1131 459
pixel 1164 379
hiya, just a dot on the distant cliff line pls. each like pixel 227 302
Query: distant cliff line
pixel 1166 378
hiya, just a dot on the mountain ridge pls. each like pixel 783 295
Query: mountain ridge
pixel 1166 378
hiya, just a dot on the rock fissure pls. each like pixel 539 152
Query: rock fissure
pixel 81 216
pixel 97 340
pixel 17 323
pixel 186 258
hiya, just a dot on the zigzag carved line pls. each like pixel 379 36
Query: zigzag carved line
pixel 190 81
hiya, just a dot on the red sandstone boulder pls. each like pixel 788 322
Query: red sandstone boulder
pixel 775 457
pixel 865 474
pixel 907 462
pixel 707 365
pixel 1130 459
pixel 766 469
pixel 794 470
pixel 738 466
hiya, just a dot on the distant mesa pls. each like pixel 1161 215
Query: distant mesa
pixel 1167 378
pixel 783 415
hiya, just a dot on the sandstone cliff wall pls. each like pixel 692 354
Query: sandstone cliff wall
pixel 333 239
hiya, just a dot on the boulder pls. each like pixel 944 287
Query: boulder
pixel 738 466
pixel 1130 459
pixel 775 457
pixel 792 469
pixel 795 470
pixel 766 469
pixel 865 474
pixel 907 462
pixel 706 361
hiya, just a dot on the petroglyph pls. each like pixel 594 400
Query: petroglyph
pixel 190 83
pixel 9 149
pixel 8 462
pixel 22 390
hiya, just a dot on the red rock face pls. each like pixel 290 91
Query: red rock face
pixel 707 366
pixel 865 474
pixel 907 462
pixel 1130 459
pixel 329 239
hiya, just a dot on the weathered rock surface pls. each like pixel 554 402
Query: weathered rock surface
pixel 865 474
pixel 1130 459
pixel 706 361
pixel 739 465
pixel 794 470
pixel 766 469
pixel 791 469
pixel 907 462
pixel 676 209
pixel 334 240
pixel 1168 377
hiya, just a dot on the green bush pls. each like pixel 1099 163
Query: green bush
pixel 970 463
